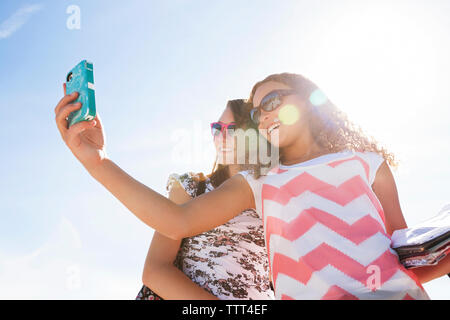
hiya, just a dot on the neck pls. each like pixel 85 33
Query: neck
pixel 302 150
pixel 233 169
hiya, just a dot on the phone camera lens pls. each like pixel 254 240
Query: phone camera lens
pixel 69 77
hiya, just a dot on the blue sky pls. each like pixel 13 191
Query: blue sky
pixel 165 67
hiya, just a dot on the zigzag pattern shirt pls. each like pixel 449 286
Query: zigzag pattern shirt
pixel 325 231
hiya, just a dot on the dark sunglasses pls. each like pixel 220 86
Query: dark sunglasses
pixel 270 102
pixel 218 127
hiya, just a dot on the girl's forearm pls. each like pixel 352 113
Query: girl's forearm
pixel 149 206
pixel 172 284
pixel 428 273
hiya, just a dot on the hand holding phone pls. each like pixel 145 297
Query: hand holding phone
pixel 85 138
pixel 81 79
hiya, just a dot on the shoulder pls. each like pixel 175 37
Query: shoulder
pixel 236 187
pixel 374 161
pixel 371 157
pixel 246 177
pixel 188 181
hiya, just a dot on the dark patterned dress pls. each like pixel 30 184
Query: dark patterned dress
pixel 229 261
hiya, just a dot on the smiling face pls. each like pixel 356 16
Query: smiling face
pixel 284 125
pixel 224 143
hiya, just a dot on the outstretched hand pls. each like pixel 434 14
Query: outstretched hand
pixel 86 139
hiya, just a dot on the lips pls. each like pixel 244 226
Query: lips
pixel 273 127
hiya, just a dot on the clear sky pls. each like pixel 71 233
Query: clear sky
pixel 162 68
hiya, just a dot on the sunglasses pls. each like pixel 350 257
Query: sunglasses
pixel 270 102
pixel 218 127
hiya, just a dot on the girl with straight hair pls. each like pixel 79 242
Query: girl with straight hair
pixel 227 262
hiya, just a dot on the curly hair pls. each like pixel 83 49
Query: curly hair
pixel 330 127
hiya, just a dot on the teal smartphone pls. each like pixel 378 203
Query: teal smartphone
pixel 81 79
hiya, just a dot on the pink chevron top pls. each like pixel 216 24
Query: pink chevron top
pixel 325 231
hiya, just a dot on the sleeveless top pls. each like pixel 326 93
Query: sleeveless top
pixel 229 261
pixel 325 231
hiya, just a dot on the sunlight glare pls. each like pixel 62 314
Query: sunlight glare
pixel 288 114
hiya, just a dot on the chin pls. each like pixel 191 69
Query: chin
pixel 275 143
pixel 277 140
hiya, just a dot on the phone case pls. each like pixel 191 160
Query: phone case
pixel 81 79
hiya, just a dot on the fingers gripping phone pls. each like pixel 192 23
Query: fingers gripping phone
pixel 81 79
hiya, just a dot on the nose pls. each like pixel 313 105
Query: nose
pixel 222 137
pixel 264 117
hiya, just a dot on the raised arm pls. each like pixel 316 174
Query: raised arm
pixel 386 191
pixel 172 220
pixel 160 274
pixel 86 140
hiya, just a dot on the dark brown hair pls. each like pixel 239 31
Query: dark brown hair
pixel 330 127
